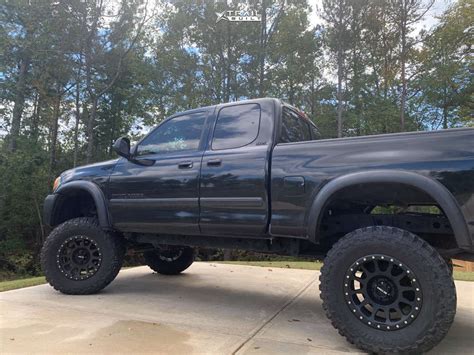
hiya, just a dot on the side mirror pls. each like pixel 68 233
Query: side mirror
pixel 122 147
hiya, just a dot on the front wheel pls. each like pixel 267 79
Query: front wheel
pixel 169 260
pixel 387 290
pixel 79 258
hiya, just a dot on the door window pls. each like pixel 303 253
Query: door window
pixel 236 126
pixel 294 128
pixel 178 134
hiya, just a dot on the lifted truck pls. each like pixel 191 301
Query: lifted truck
pixel 387 212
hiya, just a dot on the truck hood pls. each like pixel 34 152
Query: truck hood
pixel 89 172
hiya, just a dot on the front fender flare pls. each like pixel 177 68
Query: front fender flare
pixel 433 188
pixel 97 195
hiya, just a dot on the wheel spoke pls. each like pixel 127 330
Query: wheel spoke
pixel 380 295
pixel 401 276
pixel 79 258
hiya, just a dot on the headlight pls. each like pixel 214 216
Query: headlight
pixel 57 183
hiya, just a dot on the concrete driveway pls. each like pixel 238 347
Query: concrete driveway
pixel 211 308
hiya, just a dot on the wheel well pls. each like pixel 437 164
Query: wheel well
pixel 76 203
pixel 392 204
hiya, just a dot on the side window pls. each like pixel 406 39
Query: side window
pixel 294 128
pixel 236 126
pixel 179 133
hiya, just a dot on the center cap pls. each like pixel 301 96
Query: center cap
pixel 382 290
pixel 81 256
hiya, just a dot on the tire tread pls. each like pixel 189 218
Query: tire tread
pixel 401 238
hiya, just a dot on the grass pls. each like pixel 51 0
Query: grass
pixel 20 283
pixel 306 265
pixel 464 275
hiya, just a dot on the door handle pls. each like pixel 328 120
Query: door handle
pixel 185 165
pixel 214 162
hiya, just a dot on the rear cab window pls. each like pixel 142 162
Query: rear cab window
pixel 295 127
pixel 236 126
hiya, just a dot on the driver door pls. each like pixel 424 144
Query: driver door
pixel 162 198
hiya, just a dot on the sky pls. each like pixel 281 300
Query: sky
pixel 429 20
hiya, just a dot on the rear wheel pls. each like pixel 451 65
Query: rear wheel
pixel 79 258
pixel 386 290
pixel 169 260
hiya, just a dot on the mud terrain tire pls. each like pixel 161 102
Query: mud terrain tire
pixel 79 258
pixel 434 302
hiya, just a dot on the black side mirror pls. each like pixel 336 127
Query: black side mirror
pixel 122 147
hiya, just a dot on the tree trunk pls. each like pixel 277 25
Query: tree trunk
pixel 35 119
pixel 403 31
pixel 19 102
pixel 445 106
pixel 228 64
pixel 90 129
pixel 340 67
pixel 339 91
pixel 291 93
pixel 445 118
pixel 76 125
pixel 54 135
pixel 262 54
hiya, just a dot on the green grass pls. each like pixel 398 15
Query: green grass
pixel 308 265
pixel 305 265
pixel 20 283
pixel 464 275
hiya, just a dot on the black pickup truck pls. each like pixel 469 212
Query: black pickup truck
pixel 387 213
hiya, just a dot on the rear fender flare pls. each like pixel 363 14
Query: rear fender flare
pixel 433 188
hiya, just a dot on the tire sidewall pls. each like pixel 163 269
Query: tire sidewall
pixel 107 248
pixel 411 257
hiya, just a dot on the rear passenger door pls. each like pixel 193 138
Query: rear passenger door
pixel 233 184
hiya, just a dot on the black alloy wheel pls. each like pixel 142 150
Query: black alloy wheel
pixel 382 292
pixel 79 258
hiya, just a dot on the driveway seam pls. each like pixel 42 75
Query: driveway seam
pixel 254 333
